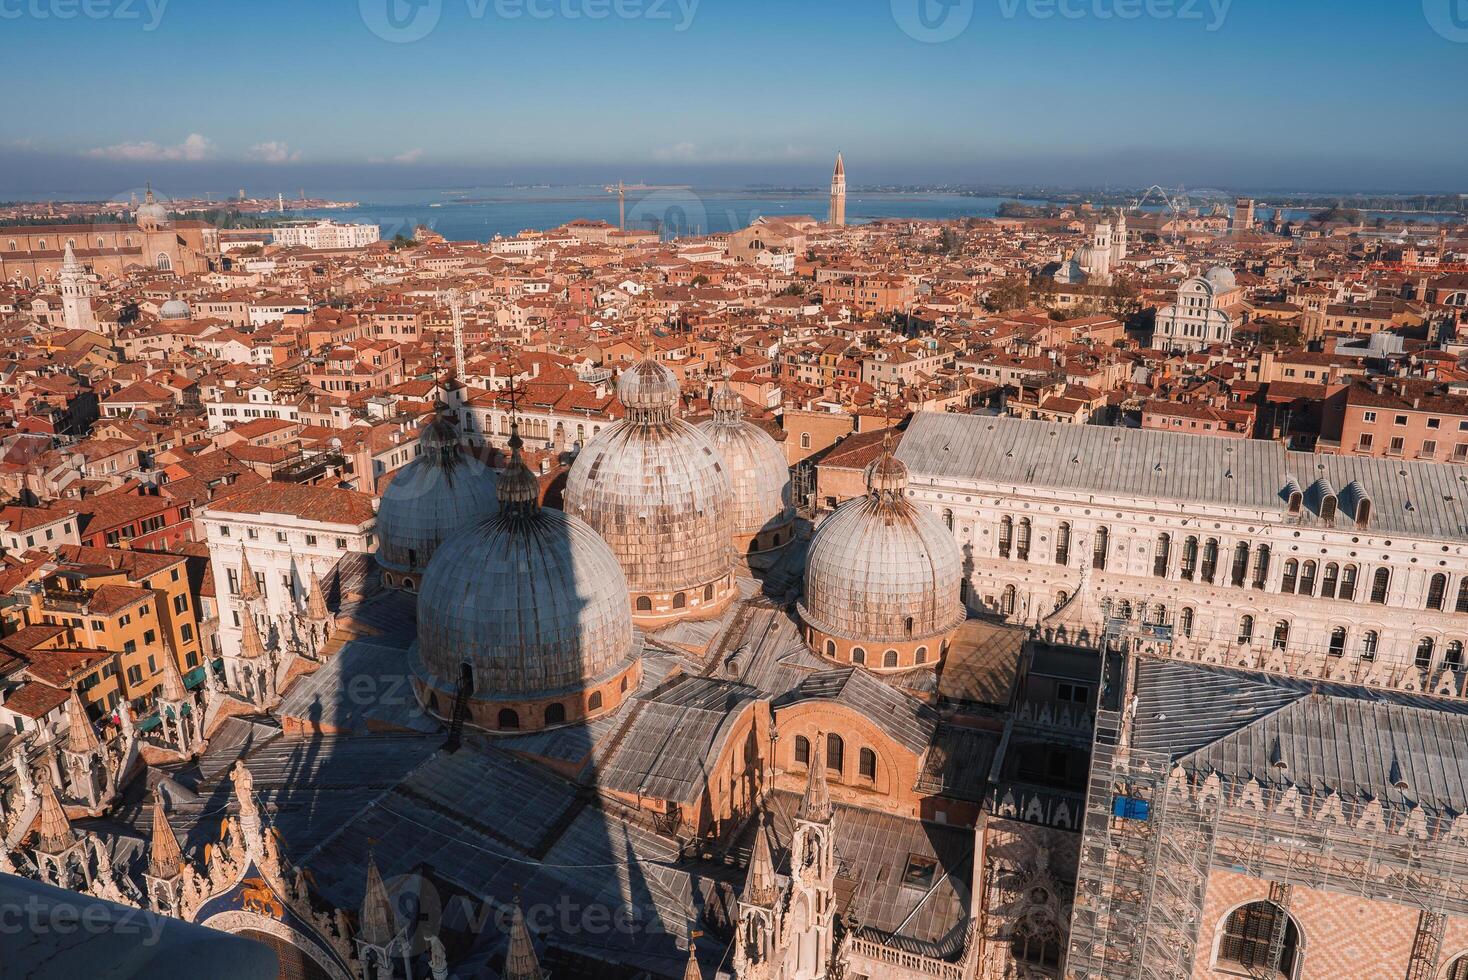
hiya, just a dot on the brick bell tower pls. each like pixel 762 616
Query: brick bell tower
pixel 838 193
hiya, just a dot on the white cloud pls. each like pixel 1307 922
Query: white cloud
pixel 678 151
pixel 409 156
pixel 194 147
pixel 274 151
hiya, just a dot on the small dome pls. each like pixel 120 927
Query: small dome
pixel 175 309
pixel 1221 278
pixel 150 211
pixel 757 467
pixel 436 496
pixel 648 385
pixel 882 570
pixel 532 600
pixel 656 489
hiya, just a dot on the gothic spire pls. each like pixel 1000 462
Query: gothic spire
pixel 815 805
pixel 249 590
pixel 692 971
pixel 760 884
pixel 316 600
pixel 251 646
pixel 521 962
pixel 165 860
pixel 376 916
pixel 55 830
pixel 81 737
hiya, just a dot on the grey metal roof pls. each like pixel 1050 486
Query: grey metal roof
pixel 1317 736
pixel 1425 499
pixel 910 722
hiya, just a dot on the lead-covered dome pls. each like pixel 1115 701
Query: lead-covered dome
pixel 533 602
pixel 882 572
pixel 442 491
pixel 757 469
pixel 1221 278
pixel 175 309
pixel 658 491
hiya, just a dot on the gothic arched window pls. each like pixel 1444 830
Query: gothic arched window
pixel 867 764
pixel 835 753
pixel 802 750
pixel 1247 942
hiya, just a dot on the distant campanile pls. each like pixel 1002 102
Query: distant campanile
pixel 838 193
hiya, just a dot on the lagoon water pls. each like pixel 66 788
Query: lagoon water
pixel 481 214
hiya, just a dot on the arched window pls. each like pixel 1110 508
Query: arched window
pixel 509 720
pixel 1006 607
pixel 1423 659
pixel 594 702
pixel 1061 598
pixel 163 263
pixel 1291 576
pixel 907 625
pixel 1098 553
pixel 466 678
pixel 1022 548
pixel 889 659
pixel 858 655
pixel 1161 556
pixel 1369 641
pixel 835 753
pixel 1036 945
pixel 802 750
pixel 1282 635
pixel 1240 573
pixel 555 713
pixel 1006 535
pixel 1247 942
pixel 1297 502
pixel 1261 566
pixel 644 604
pixel 830 648
pixel 708 590
pixel 680 600
pixel 1062 544
pixel 1348 583
pixel 1190 557
pixel 1246 629
pixel 1125 610
pixel 948 518
pixel 1437 590
pixel 1307 578
pixel 1210 560
pixel 1185 621
pixel 1379 585
pixel 1453 655
pixel 921 655
pixel 1338 642
pixel 1330 580
pixel 867 764
pixel 1462 604
pixel 1458 970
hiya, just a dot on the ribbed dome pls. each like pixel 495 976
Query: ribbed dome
pixel 532 599
pixel 437 495
pixel 879 561
pixel 150 211
pixel 175 309
pixel 755 463
pixel 656 489
pixel 648 386
pixel 1222 278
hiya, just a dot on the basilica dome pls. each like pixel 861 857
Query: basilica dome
pixel 440 493
pixel 758 471
pixel 529 609
pixel 882 578
pixel 150 213
pixel 658 491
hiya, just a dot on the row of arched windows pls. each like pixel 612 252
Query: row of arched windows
pixel 890 658
pixel 680 599
pixel 866 765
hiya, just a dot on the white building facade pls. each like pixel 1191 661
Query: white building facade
pixel 1251 554
pixel 326 235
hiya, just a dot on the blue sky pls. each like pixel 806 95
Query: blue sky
pixel 201 94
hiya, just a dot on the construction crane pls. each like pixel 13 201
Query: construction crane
pixel 620 189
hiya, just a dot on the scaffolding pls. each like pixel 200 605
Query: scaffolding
pixel 1153 831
